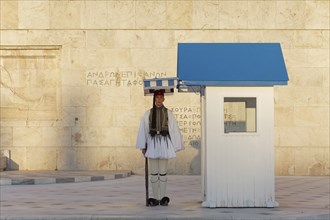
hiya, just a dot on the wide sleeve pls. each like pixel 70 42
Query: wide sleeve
pixel 143 131
pixel 175 133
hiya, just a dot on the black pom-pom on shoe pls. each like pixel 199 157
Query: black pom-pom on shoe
pixel 164 201
pixel 153 202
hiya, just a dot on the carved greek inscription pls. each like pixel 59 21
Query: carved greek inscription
pixel 122 78
pixel 234 111
pixel 189 121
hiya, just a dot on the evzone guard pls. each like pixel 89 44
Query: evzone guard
pixel 159 139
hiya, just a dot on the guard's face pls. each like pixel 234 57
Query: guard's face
pixel 159 99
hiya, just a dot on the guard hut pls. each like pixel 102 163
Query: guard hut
pixel 236 83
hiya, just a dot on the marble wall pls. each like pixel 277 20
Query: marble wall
pixel 72 71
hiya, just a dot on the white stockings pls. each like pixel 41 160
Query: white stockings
pixel 158 178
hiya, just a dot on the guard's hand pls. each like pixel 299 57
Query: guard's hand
pixel 143 151
pixel 153 133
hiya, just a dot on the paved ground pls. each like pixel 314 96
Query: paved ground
pixel 123 198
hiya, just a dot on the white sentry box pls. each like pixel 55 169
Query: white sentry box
pixel 238 147
pixel 236 82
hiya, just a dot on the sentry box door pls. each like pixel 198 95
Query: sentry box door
pixel 238 147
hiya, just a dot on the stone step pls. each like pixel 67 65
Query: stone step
pixel 51 177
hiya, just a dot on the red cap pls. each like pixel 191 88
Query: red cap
pixel 159 92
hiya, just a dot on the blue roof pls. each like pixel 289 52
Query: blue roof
pixel 231 64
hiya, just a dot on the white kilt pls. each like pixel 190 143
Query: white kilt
pixel 160 146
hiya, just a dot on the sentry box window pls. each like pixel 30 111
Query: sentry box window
pixel 240 115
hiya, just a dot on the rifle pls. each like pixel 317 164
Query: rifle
pixel 146 173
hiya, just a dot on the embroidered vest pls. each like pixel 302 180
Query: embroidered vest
pixel 161 120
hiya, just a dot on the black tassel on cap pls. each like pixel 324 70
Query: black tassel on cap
pixel 153 120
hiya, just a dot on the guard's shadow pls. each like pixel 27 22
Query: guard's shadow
pixel 195 166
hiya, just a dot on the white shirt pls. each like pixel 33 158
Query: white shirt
pixel 160 146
